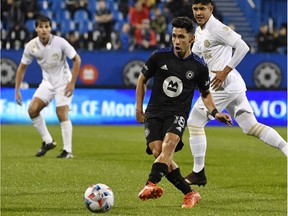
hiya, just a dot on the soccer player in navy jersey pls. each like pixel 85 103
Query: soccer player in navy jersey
pixel 176 72
pixel 222 49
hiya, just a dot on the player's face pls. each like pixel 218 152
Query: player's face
pixel 43 30
pixel 182 40
pixel 202 13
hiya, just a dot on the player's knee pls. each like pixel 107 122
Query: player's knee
pixel 33 112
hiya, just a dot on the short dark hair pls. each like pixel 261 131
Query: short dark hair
pixel 184 22
pixel 204 2
pixel 42 18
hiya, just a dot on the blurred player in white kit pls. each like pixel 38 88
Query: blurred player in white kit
pixel 58 83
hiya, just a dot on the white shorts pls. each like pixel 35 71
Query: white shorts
pixel 46 92
pixel 232 102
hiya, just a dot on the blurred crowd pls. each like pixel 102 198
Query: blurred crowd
pixel 269 40
pixel 108 24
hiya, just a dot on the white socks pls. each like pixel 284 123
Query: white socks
pixel 198 145
pixel 269 136
pixel 66 128
pixel 40 124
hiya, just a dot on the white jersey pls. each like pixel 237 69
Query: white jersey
pixel 51 58
pixel 214 43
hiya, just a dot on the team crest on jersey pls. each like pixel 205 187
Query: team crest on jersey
pixel 190 74
pixel 172 86
pixel 55 57
pixel 206 43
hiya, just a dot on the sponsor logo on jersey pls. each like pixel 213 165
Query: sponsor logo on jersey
pixel 172 86
pixel 164 67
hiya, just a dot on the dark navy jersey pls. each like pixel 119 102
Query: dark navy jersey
pixel 174 80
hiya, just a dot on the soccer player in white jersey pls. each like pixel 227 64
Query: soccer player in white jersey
pixel 51 53
pixel 214 42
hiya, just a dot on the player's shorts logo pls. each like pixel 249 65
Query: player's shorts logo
pixel 267 75
pixel 172 86
pixel 147 132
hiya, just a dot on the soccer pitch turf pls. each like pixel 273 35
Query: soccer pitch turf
pixel 245 176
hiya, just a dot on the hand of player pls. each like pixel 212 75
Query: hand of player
pixel 139 116
pixel 18 98
pixel 224 118
pixel 69 89
pixel 218 79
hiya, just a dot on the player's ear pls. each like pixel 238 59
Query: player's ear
pixel 212 8
pixel 192 38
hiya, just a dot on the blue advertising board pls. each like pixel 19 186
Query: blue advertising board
pixel 117 106
pixel 120 69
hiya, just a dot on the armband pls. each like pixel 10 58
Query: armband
pixel 214 112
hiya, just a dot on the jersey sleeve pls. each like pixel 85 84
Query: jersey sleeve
pixel 149 69
pixel 27 56
pixel 69 50
pixel 226 35
pixel 204 80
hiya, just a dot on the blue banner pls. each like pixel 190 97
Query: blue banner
pixel 120 69
pixel 117 106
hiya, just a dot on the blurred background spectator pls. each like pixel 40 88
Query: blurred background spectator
pixel 159 25
pixel 145 37
pixel 74 5
pixel 104 23
pixel 86 19
pixel 281 39
pixel 265 39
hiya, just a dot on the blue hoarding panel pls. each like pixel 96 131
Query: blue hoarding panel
pixel 121 69
pixel 117 106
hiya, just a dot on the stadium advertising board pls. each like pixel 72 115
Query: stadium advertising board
pixel 117 106
pixel 121 69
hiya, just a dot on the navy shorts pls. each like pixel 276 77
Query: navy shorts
pixel 157 125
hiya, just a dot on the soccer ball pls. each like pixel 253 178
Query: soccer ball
pixel 99 198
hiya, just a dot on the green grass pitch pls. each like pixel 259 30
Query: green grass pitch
pixel 245 176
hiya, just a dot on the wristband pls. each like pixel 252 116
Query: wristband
pixel 214 112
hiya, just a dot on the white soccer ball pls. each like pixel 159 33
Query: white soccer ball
pixel 99 198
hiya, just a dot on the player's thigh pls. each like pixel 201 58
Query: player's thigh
pixel 239 105
pixel 61 99
pixel 44 93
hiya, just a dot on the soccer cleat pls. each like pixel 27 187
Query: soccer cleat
pixel 191 199
pixel 197 178
pixel 45 147
pixel 65 154
pixel 150 191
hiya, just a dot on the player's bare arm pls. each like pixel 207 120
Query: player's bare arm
pixel 208 102
pixel 75 71
pixel 140 93
pixel 19 77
